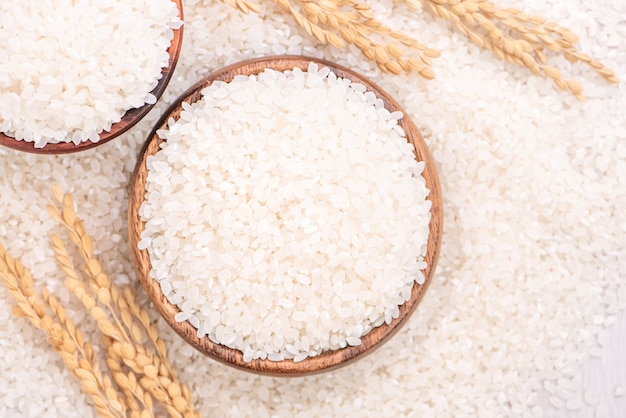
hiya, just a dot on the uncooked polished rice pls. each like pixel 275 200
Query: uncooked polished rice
pixel 286 214
pixel 72 68
pixel 532 265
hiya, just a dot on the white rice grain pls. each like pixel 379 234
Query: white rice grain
pixel 510 149
pixel 77 66
pixel 287 194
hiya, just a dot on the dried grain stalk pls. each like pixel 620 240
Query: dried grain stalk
pixel 137 373
pixel 510 34
pixel 62 335
pixel 518 37
pixel 341 22
pixel 123 323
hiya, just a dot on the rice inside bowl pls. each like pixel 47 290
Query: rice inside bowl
pixel 286 214
pixel 77 66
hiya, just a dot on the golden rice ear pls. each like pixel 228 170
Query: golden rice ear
pixel 518 37
pixel 341 22
pixel 61 333
pixel 510 34
pixel 123 325
pixel 244 6
pixel 140 374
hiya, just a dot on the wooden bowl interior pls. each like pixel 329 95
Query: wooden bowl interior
pixel 327 360
pixel 130 118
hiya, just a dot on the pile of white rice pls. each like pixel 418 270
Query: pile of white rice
pixel 533 263
pixel 72 68
pixel 286 214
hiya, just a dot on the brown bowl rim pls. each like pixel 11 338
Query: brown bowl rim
pixel 328 360
pixel 130 118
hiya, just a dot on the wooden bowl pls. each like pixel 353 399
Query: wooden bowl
pixel 130 118
pixel 327 360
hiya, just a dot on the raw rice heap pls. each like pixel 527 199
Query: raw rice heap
pixel 286 214
pixel 72 68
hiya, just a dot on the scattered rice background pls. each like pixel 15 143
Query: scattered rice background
pixel 533 263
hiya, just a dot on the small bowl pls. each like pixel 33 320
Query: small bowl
pixel 327 360
pixel 130 118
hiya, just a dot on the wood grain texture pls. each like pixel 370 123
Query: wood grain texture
pixel 325 361
pixel 130 118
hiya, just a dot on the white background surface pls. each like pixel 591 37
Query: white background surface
pixel 599 378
